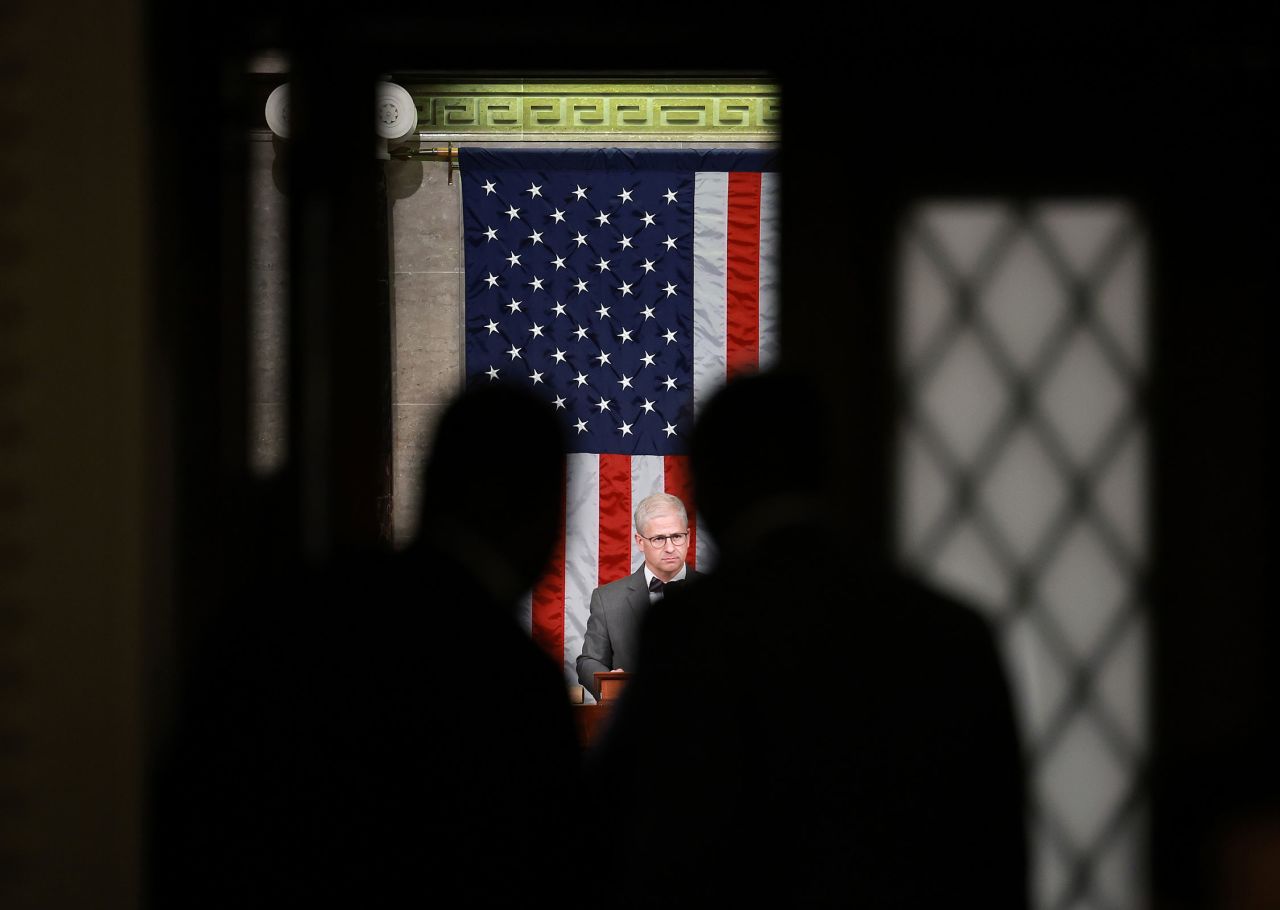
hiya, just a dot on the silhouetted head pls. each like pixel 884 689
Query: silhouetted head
pixel 492 486
pixel 761 449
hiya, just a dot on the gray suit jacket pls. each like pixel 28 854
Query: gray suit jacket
pixel 613 628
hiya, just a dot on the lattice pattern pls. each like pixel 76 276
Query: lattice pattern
pixel 1022 468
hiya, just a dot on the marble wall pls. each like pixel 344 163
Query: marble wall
pixel 427 354
pixel 268 264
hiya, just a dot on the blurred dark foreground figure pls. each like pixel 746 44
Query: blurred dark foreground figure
pixel 383 730
pixel 806 727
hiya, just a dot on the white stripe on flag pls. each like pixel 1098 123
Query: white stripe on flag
pixel 769 215
pixel 705 559
pixel 524 609
pixel 647 476
pixel 710 237
pixel 581 552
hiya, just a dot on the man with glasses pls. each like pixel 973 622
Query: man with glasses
pixel 613 629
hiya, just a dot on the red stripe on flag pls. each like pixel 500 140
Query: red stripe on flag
pixel 678 481
pixel 742 275
pixel 548 602
pixel 615 517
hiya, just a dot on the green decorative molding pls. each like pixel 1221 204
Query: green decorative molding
pixel 656 111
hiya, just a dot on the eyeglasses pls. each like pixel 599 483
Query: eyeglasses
pixel 660 542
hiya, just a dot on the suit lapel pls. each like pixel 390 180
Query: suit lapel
pixel 638 597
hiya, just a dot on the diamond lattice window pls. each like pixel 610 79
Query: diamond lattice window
pixel 1022 490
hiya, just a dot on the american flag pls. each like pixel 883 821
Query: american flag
pixel 625 286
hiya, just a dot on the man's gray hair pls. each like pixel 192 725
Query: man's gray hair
pixel 656 503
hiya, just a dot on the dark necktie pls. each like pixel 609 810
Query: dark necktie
pixel 656 585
